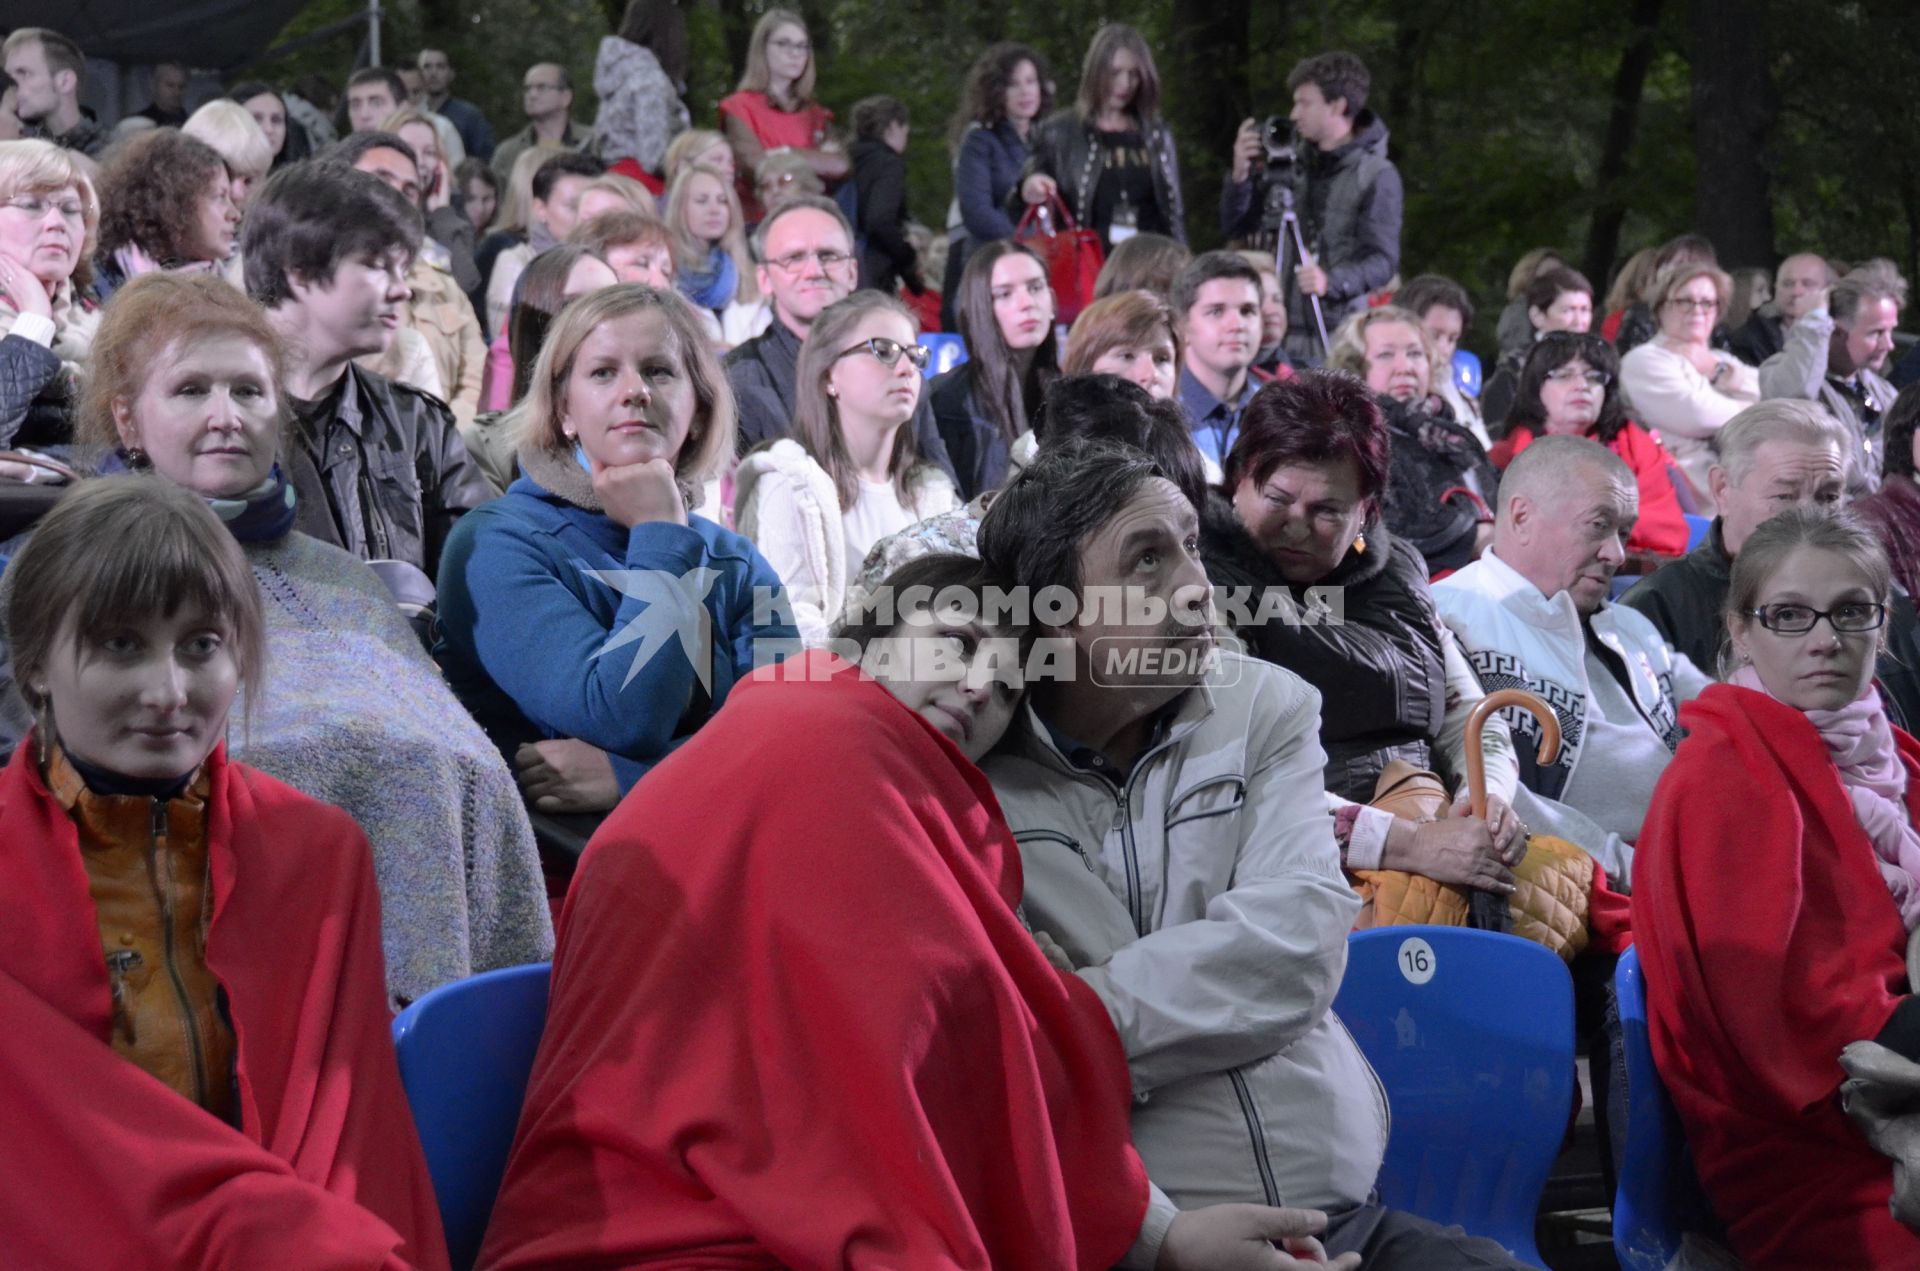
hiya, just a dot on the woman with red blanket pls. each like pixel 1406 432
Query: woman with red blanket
pixel 196 1052
pixel 797 1021
pixel 1776 884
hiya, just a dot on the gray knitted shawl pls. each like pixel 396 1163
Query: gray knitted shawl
pixel 356 714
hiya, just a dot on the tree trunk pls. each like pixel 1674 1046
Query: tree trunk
pixel 1206 59
pixel 1733 113
pixel 1629 80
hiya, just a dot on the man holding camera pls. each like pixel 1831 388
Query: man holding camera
pixel 1347 195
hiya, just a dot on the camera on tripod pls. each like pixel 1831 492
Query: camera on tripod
pixel 1276 134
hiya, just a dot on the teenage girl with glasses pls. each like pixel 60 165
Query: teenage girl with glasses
pixel 850 473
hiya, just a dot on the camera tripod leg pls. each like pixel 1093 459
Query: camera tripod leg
pixel 1290 236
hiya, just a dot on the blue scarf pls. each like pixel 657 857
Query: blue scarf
pixel 261 515
pixel 711 287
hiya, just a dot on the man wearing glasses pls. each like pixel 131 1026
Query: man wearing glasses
pixel 1532 613
pixel 1773 456
pixel 806 250
pixel 546 94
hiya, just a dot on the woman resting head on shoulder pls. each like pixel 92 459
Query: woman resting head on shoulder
pixel 923 634
pixel 173 916
pixel 1780 852
pixel 597 548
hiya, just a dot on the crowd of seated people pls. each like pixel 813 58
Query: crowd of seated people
pixel 370 502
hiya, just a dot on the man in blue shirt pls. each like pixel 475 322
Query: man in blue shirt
pixel 1216 301
pixel 436 76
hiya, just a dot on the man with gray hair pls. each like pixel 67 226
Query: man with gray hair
pixel 1532 613
pixel 1770 457
pixel 1799 286
pixel 805 250
pixel 1836 355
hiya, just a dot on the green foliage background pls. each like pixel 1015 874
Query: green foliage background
pixel 1498 108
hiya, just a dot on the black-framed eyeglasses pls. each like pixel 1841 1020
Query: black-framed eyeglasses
pixel 1567 374
pixel 889 352
pixel 1790 619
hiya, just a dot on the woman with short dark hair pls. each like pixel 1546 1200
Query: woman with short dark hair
pixel 1301 508
pixel 1570 385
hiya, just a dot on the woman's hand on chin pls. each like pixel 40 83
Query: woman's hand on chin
pixel 566 776
pixel 24 291
pixel 635 493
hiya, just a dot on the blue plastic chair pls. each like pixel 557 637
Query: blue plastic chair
pixel 1659 1198
pixel 1466 372
pixel 1471 1032
pixel 466 1050
pixel 1697 527
pixel 948 352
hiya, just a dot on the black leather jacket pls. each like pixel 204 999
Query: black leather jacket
pixel 1380 669
pixel 1063 148
pixel 396 473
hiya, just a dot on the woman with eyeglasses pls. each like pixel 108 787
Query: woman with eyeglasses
pixel 851 473
pixel 773 111
pixel 1677 383
pixel 48 214
pixel 569 606
pixel 1570 386
pixel 982 405
pixel 1776 893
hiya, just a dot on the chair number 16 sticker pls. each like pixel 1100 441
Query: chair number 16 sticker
pixel 1416 960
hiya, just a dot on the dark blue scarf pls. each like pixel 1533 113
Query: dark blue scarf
pixel 261 515
pixel 712 287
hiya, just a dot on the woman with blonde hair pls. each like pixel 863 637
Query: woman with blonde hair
pixel 699 145
pixel 850 474
pixel 1628 284
pixel 616 193
pixel 597 546
pixel 510 222
pixel 1130 334
pixel 1677 383
pixel 1440 492
pixel 714 267
pixel 235 137
pixel 773 110
pixel 49 216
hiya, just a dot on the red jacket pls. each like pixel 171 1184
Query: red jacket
pixel 104 1165
pixel 796 1021
pixel 1662 525
pixel 1769 942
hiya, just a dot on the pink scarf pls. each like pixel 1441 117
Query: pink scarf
pixel 1860 741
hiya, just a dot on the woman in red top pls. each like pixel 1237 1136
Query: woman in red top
pixel 197 1052
pixel 773 110
pixel 1776 885
pixel 1571 385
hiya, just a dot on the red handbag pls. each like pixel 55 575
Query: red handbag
pixel 1073 255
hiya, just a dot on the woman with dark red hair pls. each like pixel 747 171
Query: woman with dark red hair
pixel 1297 524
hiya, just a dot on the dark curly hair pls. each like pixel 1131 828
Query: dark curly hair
pixel 1552 351
pixel 150 191
pixel 984 99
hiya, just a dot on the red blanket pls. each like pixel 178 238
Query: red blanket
pixel 796 1021
pixel 105 1166
pixel 1769 942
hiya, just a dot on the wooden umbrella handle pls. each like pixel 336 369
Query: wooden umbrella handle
pixel 1477 721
